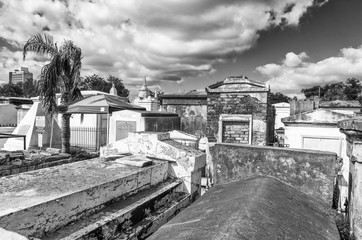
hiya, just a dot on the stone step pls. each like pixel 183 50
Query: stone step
pixel 133 218
pixel 35 203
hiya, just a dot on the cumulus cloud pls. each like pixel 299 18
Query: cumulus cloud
pixel 296 73
pixel 163 39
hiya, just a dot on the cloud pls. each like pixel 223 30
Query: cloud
pixel 161 39
pixel 296 73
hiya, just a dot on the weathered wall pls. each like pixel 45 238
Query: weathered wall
pixel 312 172
pixel 187 163
pixel 193 117
pixel 301 106
pixel 10 118
pixel 254 104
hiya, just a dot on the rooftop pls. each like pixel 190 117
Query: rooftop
pixel 190 94
pixel 255 208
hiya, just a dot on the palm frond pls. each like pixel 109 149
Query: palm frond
pixel 63 70
pixel 70 62
pixel 40 44
pixel 76 94
pixel 48 85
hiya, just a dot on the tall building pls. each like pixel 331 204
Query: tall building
pixel 20 75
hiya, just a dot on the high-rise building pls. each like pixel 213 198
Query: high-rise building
pixel 20 75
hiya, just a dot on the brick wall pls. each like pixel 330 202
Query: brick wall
pixel 235 132
pixel 254 104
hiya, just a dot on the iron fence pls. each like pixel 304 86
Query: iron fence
pixel 89 138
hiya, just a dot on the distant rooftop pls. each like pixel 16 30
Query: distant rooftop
pixel 190 94
pixel 15 100
pixel 317 116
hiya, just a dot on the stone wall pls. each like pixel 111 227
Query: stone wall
pixel 18 162
pixel 312 172
pixel 254 104
pixel 300 106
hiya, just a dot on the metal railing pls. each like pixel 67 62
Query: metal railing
pixel 89 138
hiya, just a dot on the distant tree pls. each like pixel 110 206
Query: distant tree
pixel 278 97
pixel 353 88
pixel 121 90
pixel 29 88
pixel 334 91
pixel 95 82
pixel 348 90
pixel 11 90
pixel 313 91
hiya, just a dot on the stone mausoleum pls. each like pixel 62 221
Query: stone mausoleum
pixel 191 107
pixel 235 110
pixel 238 112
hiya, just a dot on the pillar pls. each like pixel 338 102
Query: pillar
pixel 353 130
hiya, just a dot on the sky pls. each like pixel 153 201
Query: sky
pixel 181 45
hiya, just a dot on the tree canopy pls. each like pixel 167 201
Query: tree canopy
pixel 349 90
pixel 26 89
pixel 11 90
pixel 95 82
pixel 278 97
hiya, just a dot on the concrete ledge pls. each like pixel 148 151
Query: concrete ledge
pixel 278 149
pixel 118 223
pixel 38 202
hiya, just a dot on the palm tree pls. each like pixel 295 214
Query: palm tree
pixel 62 72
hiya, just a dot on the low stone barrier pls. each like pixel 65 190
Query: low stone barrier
pixel 22 161
pixel 312 172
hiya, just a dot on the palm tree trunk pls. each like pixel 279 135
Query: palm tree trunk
pixel 65 124
pixel 65 133
pixel 51 131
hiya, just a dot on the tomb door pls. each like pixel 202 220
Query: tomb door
pixel 235 128
pixel 235 132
